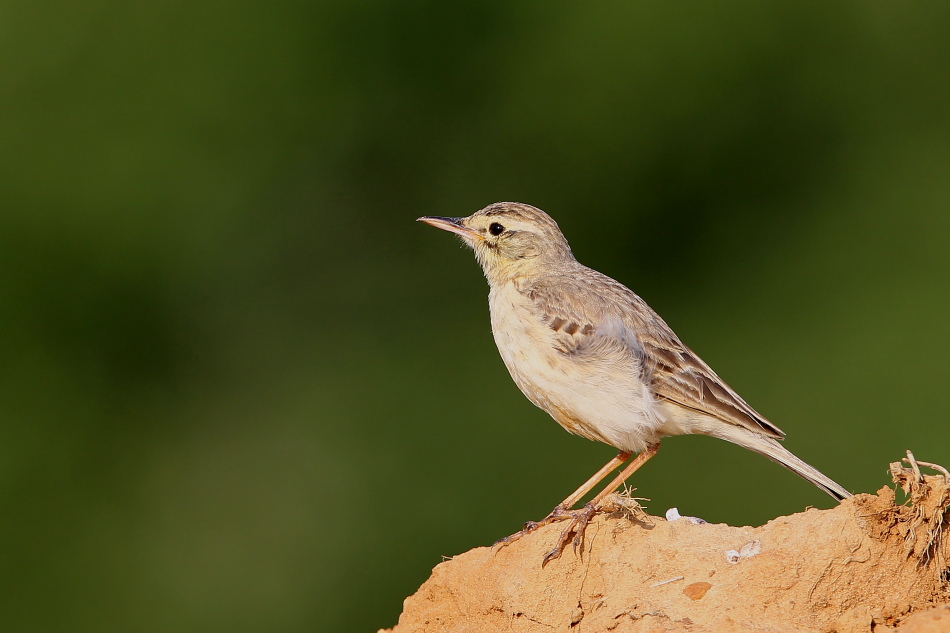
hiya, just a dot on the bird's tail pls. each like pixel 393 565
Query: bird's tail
pixel 780 455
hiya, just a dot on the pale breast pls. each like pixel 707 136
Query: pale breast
pixel 587 381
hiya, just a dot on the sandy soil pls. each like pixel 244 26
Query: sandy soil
pixel 867 565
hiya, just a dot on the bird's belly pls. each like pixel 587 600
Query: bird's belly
pixel 600 399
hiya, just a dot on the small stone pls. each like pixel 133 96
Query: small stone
pixel 696 590
pixel 577 616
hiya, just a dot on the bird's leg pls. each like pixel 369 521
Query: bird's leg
pixel 562 510
pixel 595 479
pixel 631 468
pixel 574 531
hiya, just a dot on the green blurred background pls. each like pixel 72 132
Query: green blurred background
pixel 242 390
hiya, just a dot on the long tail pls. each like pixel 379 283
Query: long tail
pixel 780 455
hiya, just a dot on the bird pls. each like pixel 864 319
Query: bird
pixel 591 353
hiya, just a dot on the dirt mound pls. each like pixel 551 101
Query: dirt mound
pixel 868 564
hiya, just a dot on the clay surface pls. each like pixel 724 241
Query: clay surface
pixel 868 564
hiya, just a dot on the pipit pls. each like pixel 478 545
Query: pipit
pixel 592 354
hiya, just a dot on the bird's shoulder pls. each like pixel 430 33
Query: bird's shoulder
pixel 583 296
pixel 585 310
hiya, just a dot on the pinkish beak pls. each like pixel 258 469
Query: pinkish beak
pixel 453 225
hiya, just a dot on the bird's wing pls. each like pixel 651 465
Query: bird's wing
pixel 677 374
pixel 593 315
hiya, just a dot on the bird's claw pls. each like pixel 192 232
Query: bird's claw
pixel 559 512
pixel 572 533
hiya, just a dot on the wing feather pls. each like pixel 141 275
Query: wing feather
pixel 585 309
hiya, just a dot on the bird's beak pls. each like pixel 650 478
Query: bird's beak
pixel 451 224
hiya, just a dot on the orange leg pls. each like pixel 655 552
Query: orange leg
pixel 580 518
pixel 595 479
pixel 574 531
pixel 560 511
pixel 631 468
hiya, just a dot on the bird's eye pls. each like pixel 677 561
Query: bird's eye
pixel 496 229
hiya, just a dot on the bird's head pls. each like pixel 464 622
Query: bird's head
pixel 510 239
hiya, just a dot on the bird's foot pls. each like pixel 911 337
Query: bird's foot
pixel 572 533
pixel 557 514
